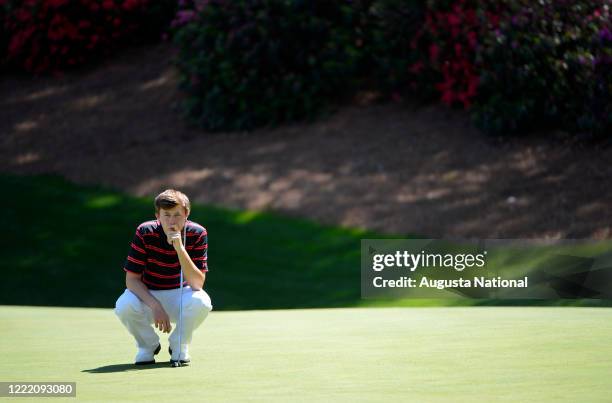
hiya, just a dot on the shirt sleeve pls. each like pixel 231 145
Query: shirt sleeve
pixel 199 253
pixel 137 256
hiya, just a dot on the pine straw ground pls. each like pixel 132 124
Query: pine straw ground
pixel 387 167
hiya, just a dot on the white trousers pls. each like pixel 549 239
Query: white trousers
pixel 137 317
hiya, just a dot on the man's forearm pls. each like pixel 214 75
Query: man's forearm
pixel 140 289
pixel 192 274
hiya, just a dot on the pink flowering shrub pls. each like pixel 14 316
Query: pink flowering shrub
pixel 447 47
pixel 53 35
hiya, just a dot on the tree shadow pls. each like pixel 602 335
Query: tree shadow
pixel 389 168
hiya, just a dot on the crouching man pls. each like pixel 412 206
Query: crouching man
pixel 159 251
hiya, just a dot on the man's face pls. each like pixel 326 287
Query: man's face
pixel 172 220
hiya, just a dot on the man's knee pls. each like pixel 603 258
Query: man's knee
pixel 200 302
pixel 127 304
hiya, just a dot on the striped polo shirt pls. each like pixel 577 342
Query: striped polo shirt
pixel 152 256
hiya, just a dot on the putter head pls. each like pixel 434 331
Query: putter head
pixel 175 364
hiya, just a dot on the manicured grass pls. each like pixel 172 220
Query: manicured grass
pixel 460 354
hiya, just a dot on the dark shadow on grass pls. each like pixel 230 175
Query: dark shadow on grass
pixel 259 261
pixel 256 261
pixel 126 368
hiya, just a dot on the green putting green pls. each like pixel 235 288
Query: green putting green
pixel 457 354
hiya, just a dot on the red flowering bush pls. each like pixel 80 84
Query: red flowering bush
pixel 518 65
pixel 52 35
pixel 447 47
pixel 3 35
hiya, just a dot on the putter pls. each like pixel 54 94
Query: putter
pixel 177 363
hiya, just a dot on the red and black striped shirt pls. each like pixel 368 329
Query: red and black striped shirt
pixel 152 256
